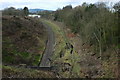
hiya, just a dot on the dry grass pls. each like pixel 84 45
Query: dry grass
pixel 14 72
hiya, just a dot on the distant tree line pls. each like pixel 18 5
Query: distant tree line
pixel 15 12
pixel 97 24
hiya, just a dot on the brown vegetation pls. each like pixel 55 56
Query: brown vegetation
pixel 14 72
pixel 23 40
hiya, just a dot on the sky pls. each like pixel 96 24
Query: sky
pixel 45 4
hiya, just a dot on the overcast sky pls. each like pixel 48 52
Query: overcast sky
pixel 45 4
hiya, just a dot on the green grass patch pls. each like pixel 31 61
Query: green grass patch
pixel 37 59
pixel 24 54
pixel 118 46
pixel 8 59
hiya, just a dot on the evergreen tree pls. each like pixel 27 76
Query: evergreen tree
pixel 26 11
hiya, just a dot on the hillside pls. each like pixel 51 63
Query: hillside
pixel 23 39
pixel 37 10
pixel 93 30
pixel 23 44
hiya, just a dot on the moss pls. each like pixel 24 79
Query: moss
pixel 8 59
pixel 37 59
pixel 24 54
pixel 118 46
pixel 76 69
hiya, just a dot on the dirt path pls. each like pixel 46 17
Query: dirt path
pixel 45 62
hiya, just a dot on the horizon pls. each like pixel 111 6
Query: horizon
pixel 53 4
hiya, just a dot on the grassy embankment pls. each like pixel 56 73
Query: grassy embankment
pixel 61 49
